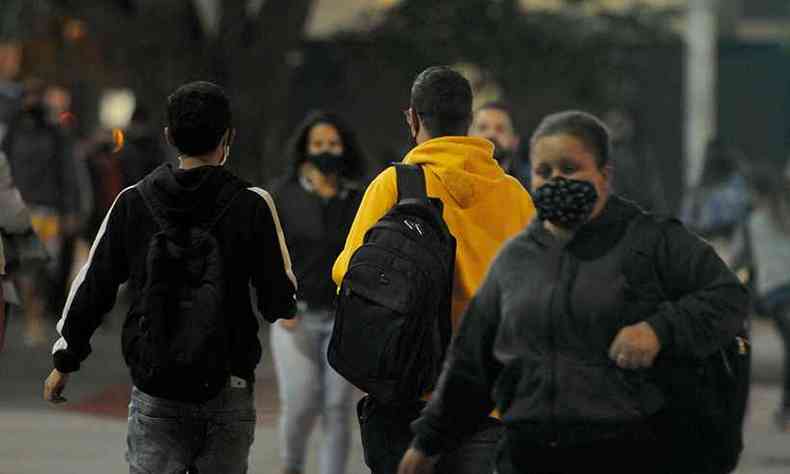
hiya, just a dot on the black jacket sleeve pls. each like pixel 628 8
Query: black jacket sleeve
pixel 707 304
pixel 93 291
pixel 272 276
pixel 463 397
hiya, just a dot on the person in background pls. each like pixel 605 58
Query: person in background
pixel 2 297
pixel 637 173
pixel 494 121
pixel 142 148
pixel 483 207
pixel 718 207
pixel 317 199
pixel 769 227
pixel 100 155
pixel 22 249
pixel 47 176
pixel 10 89
pixel 71 253
pixel 549 341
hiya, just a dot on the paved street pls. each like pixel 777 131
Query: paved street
pixel 87 435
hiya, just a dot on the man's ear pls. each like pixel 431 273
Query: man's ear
pixel 415 123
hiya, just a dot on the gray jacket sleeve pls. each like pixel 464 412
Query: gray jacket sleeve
pixel 14 215
pixel 706 303
pixel 463 395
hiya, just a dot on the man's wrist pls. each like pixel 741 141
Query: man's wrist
pixel 64 362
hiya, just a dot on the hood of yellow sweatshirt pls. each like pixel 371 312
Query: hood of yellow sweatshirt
pixel 465 165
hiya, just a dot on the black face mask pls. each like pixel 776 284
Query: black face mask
pixel 565 202
pixel 327 163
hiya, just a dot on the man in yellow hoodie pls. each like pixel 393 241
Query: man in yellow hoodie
pixel 483 207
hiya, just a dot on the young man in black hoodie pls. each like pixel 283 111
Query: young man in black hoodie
pixel 169 434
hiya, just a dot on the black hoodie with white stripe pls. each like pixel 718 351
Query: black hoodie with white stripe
pixel 250 239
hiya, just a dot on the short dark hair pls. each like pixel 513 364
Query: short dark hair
pixel 584 126
pixel 442 98
pixel 354 166
pixel 501 106
pixel 497 105
pixel 198 115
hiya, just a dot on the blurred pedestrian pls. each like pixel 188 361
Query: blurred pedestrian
pixel 47 176
pixel 72 250
pixel 141 150
pixel 769 226
pixel 718 207
pixel 637 172
pixel 2 297
pixel 189 241
pixel 10 89
pixel 482 207
pixel 317 199
pixel 553 341
pixel 494 121
pixel 22 250
pixel 100 155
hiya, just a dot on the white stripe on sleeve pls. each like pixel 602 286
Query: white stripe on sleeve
pixel 280 235
pixel 61 343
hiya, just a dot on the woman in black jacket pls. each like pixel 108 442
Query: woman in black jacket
pixel 562 335
pixel 317 201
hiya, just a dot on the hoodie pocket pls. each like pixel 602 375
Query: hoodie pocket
pixel 601 392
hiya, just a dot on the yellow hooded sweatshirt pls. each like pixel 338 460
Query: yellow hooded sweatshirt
pixel 483 207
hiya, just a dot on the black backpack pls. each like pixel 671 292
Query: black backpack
pixel 705 399
pixel 392 320
pixel 175 340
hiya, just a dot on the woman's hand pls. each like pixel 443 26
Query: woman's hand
pixel 416 462
pixel 635 347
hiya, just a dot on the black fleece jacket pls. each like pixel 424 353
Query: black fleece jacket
pixel 316 230
pixel 535 338
pixel 251 242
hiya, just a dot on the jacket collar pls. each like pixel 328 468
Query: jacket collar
pixel 597 236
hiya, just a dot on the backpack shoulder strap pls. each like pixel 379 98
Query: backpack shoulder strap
pixel 411 182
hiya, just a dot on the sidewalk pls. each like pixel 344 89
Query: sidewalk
pixel 87 436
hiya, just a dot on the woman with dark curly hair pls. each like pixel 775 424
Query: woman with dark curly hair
pixel 317 200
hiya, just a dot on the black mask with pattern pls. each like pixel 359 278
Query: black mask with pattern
pixel 565 202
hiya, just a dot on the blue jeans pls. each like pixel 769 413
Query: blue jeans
pixel 171 437
pixel 310 388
